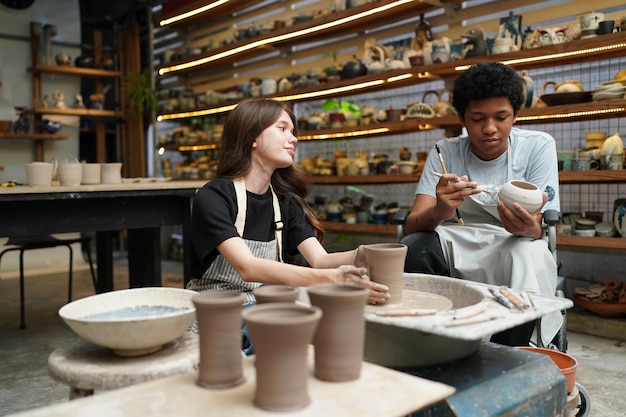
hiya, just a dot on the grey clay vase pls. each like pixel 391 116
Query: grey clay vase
pixel 275 293
pixel 385 265
pixel 219 325
pixel 281 333
pixel 340 337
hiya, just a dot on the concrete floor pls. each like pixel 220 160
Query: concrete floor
pixel 25 383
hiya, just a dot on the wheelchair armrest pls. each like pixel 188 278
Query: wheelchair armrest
pixel 399 218
pixel 551 217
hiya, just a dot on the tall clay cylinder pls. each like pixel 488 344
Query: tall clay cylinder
pixel 340 337
pixel 281 333
pixel 385 264
pixel 275 293
pixel 219 325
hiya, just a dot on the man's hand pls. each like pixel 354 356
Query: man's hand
pixel 520 222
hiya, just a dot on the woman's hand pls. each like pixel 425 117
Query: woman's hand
pixel 379 293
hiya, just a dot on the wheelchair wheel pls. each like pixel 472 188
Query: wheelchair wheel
pixel 584 407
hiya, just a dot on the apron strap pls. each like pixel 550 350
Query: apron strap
pixel 279 225
pixel 242 204
pixel 240 222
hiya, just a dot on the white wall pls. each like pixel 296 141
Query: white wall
pixel 16 90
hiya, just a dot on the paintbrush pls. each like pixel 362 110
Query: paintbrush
pixel 439 174
pixel 445 171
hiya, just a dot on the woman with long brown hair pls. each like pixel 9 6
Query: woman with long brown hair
pixel 255 211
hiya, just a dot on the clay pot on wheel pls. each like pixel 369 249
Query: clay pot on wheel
pixel 385 265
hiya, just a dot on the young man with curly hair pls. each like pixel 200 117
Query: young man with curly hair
pixel 492 243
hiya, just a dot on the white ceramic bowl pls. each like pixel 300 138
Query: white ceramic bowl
pixel 132 322
pixel 524 193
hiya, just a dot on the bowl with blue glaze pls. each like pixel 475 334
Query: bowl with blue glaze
pixel 132 322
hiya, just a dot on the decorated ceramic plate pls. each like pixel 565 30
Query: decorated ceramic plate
pixel 619 217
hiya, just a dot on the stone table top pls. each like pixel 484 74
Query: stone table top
pixel 378 392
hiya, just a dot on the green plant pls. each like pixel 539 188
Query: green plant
pixel 344 107
pixel 139 92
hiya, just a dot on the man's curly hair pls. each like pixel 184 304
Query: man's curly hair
pixel 487 80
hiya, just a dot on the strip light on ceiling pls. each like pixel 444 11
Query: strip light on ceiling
pixel 280 38
pixel 192 13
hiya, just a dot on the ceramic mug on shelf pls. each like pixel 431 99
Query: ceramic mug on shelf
pixel 111 173
pixel 584 164
pixel 39 174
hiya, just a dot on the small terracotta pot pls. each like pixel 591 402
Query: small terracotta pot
pixel 219 325
pixel 385 264
pixel 340 337
pixel 275 294
pixel 281 333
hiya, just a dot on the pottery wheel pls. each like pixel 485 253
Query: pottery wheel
pixel 416 300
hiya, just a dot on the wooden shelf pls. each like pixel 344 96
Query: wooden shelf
pixel 369 228
pixel 568 241
pixel 597 48
pixel 594 176
pixel 78 112
pixel 275 40
pixel 222 10
pixel 190 147
pixel 364 179
pixel 33 136
pixel 563 241
pixel 74 71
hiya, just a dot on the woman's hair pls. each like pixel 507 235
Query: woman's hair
pixel 487 80
pixel 243 126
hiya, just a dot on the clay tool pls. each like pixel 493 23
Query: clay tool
pixel 501 299
pixel 472 320
pixel 514 298
pixel 471 311
pixel 445 171
pixel 527 299
pixel 407 312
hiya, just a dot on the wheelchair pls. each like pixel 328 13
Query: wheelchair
pixel 559 342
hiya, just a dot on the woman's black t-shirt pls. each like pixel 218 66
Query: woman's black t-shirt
pixel 213 221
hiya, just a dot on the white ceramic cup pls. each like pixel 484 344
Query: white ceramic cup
pixel 91 173
pixel 70 174
pixel 111 173
pixel 39 174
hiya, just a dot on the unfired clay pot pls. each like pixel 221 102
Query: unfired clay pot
pixel 275 294
pixel 340 337
pixel 281 333
pixel 524 193
pixel 219 325
pixel 385 264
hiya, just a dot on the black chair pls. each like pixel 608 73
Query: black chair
pixel 22 244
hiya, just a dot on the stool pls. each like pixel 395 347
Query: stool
pixel 40 242
pixel 86 367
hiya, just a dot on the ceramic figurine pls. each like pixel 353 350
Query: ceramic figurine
pixel 476 39
pixel 78 102
pixel 59 100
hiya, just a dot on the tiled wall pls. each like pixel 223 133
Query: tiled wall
pixel 574 197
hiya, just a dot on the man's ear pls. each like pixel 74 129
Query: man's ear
pixel 461 119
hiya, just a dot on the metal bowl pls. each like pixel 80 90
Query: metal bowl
pixel 132 322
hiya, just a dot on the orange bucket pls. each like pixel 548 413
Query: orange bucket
pixel 566 363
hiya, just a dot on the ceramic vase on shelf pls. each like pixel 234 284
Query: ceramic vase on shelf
pixel 385 264
pixel 281 333
pixel 340 336
pixel 219 326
